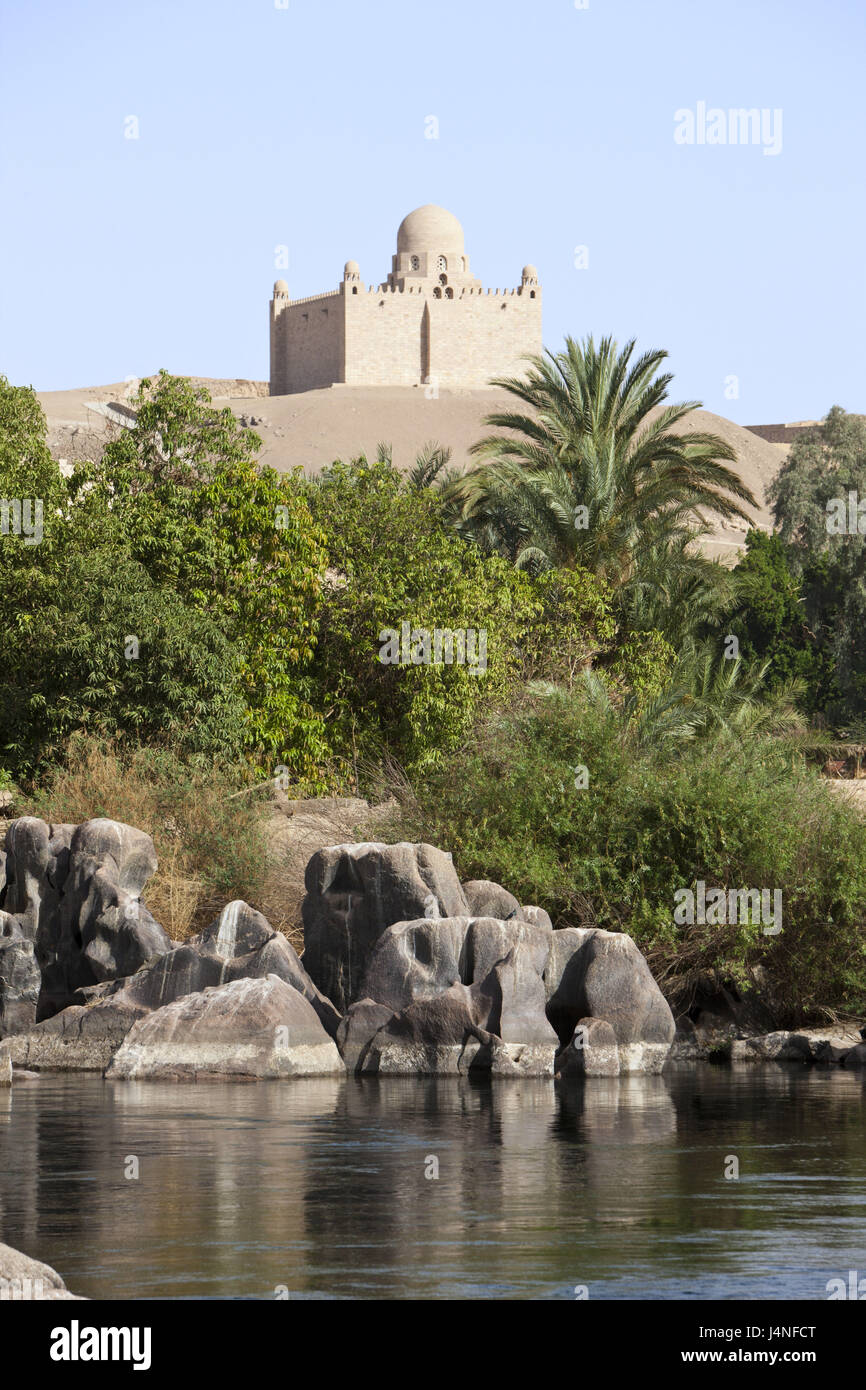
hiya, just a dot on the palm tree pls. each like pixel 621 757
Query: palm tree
pixel 430 469
pixel 677 590
pixel 706 697
pixel 595 467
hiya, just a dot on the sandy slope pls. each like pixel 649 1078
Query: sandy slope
pixel 311 429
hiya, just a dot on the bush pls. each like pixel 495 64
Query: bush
pixel 655 819
pixel 394 558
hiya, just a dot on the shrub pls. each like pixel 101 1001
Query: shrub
pixel 394 559
pixel 654 819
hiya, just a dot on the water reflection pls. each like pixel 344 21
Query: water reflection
pixel 324 1185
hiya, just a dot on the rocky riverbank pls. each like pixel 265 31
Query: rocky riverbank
pixel 26 1280
pixel 406 970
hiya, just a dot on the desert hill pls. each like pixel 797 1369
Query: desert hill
pixel 311 429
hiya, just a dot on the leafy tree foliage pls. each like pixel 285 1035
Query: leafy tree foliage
pixel 394 559
pixel 232 540
pixel 596 470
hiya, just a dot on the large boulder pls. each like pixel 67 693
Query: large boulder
pixel 239 944
pixel 357 1029
pixel 598 974
pixel 592 1051
pixel 417 960
pixel 412 961
pixel 488 899
pixel 102 931
pixel 356 891
pixel 20 978
pixel 79 1038
pixel 496 1024
pixel 75 892
pixel 250 1029
pixel 37 862
pixel 26 1280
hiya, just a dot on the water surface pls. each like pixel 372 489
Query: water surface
pixel 317 1188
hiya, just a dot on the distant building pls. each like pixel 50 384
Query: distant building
pixel 782 434
pixel 431 323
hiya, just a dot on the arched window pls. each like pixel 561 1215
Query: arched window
pixel 415 263
pixel 443 279
pixel 354 289
pixel 437 293
pixel 449 293
pixel 443 264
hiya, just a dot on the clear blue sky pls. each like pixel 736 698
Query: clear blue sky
pixel 305 126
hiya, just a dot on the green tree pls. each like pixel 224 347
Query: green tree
pixel 771 622
pixel 395 559
pixel 811 496
pixel 91 643
pixel 596 469
pixel 233 540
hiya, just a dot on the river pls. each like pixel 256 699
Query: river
pixel 326 1188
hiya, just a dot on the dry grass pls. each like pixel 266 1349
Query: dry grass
pixel 212 844
pixel 210 848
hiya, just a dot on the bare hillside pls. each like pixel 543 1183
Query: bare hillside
pixel 311 429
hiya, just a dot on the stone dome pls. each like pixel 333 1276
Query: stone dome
pixel 431 229
pixel 280 287
pixel 530 272
pixel 351 268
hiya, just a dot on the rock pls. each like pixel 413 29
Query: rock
pixel 20 979
pixel 363 1020
pixel 239 944
pixel 80 1038
pixel 772 1047
pixel 249 1029
pixel 487 941
pixel 37 862
pixel 487 899
pixel 102 930
pixel 417 960
pixel 413 961
pixel 855 1060
pixel 29 1280
pixel 598 974
pixel 496 1025
pixel 537 917
pixel 515 986
pixel 428 1037
pixel 356 891
pixel 592 1051
pixel 75 892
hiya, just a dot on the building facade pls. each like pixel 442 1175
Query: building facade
pixel 430 324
